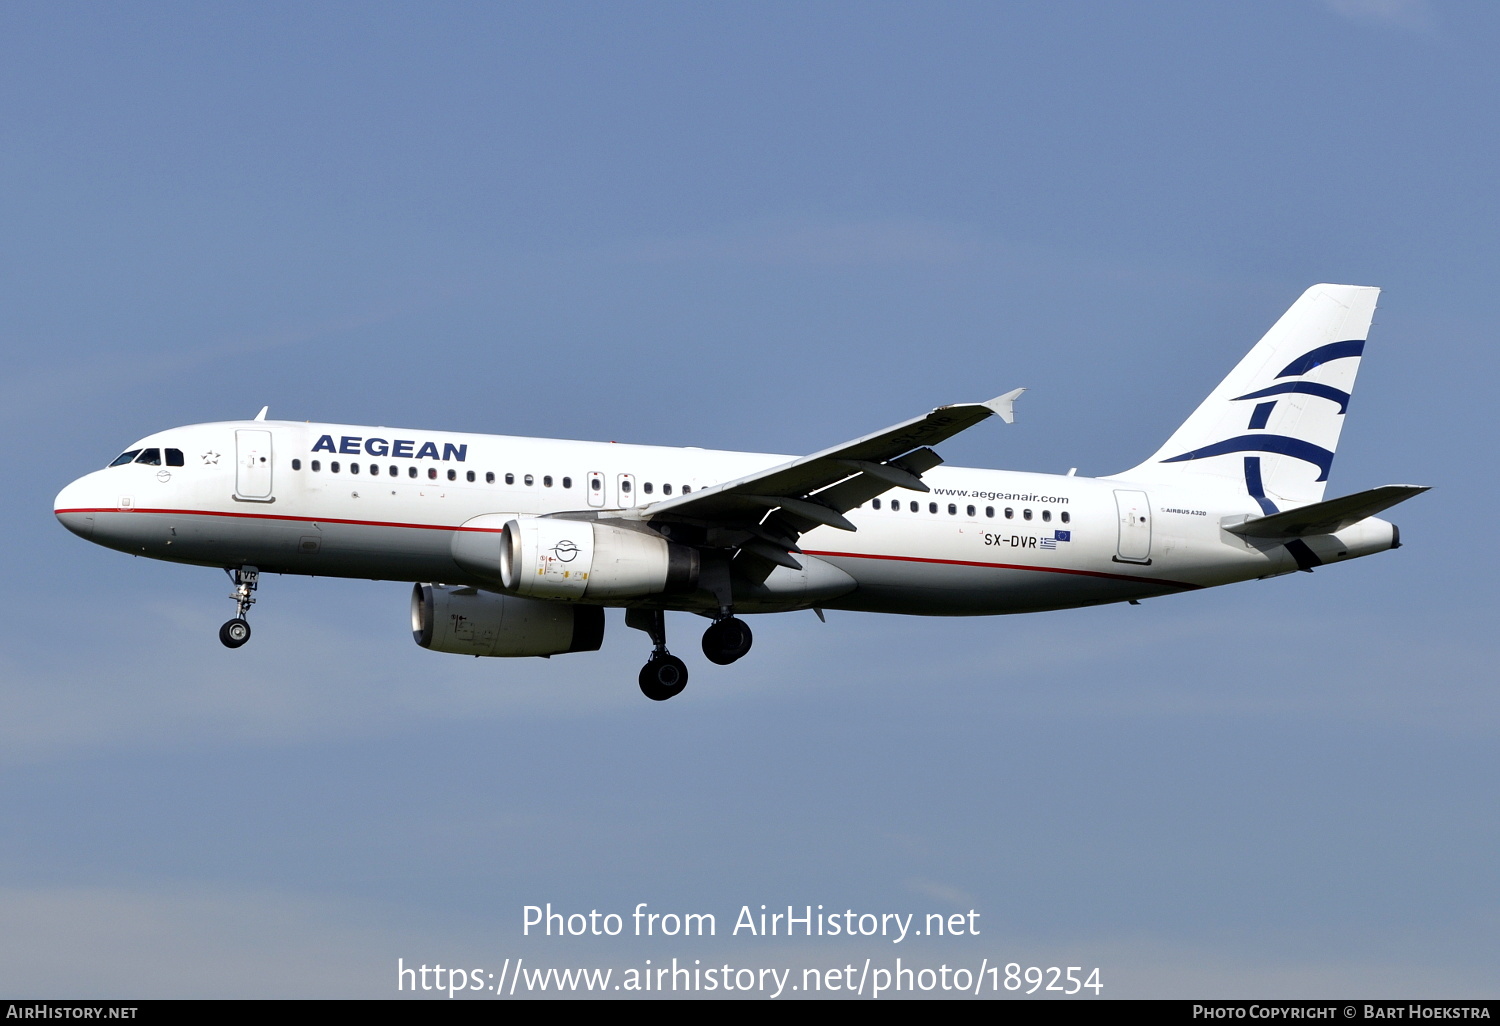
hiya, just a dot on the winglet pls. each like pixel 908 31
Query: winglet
pixel 1004 405
pixel 262 414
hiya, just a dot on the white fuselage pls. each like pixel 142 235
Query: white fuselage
pixel 388 503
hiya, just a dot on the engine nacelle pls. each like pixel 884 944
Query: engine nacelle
pixel 468 621
pixel 546 558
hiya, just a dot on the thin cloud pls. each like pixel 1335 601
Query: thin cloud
pixel 953 896
pixel 820 245
pixel 195 942
pixel 29 393
pixel 1412 15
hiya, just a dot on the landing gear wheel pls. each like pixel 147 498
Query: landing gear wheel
pixel 246 579
pixel 663 677
pixel 234 633
pixel 727 640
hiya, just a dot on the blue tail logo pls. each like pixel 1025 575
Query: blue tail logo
pixel 1260 415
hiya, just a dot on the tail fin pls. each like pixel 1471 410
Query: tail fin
pixel 1271 427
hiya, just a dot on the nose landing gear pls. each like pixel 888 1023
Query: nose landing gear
pixel 236 632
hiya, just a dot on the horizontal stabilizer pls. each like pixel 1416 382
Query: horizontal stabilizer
pixel 1326 517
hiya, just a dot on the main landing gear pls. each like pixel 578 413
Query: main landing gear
pixel 236 632
pixel 726 640
pixel 664 675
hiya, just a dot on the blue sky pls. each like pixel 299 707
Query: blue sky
pixel 766 227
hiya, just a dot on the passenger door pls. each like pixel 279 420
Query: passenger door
pixel 1135 527
pixel 252 465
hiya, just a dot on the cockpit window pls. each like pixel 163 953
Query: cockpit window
pixel 150 457
pixel 174 457
pixel 125 457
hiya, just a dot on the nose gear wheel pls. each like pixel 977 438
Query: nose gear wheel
pixel 236 632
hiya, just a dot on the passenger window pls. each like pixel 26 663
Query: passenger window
pixel 567 482
pixel 469 476
pixel 334 467
pixel 989 511
pixel 150 457
pixel 647 486
pixel 174 458
pixel 1026 514
pixel 1010 514
pixel 411 471
pixel 971 511
pixel 452 474
pixel 529 480
pixel 316 466
pixel 1066 518
pixel 932 507
pixel 354 468
pixel 666 489
pixel 1046 516
pixel 875 503
pixel 686 489
pixel 432 473
pixel 952 509
pixel 625 486
pixel 510 479
pixel 547 481
pixel 395 470
pixel 489 477
pixel 296 464
pixel 374 470
pixel 915 507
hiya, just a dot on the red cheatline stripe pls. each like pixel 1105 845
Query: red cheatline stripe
pixel 1009 566
pixel 496 530
pixel 277 516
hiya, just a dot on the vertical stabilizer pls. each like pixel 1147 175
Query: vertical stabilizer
pixel 1271 427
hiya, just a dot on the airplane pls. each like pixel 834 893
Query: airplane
pixel 515 546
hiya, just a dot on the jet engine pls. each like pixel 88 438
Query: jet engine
pixel 546 558
pixel 485 623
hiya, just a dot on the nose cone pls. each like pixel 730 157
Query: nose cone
pixel 73 507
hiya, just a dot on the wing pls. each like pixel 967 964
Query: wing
pixel 763 514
